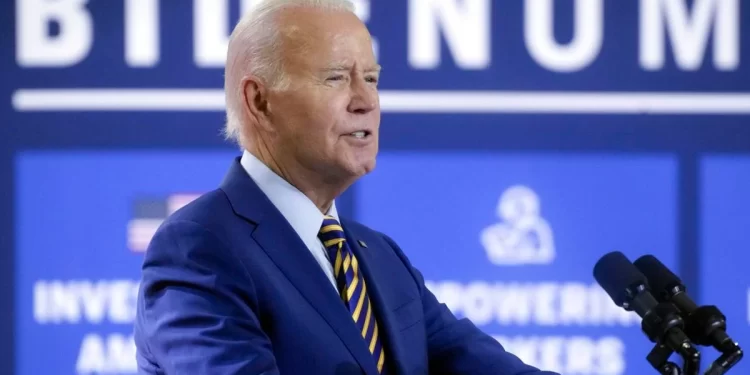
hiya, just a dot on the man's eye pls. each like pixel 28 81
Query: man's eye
pixel 336 78
pixel 372 79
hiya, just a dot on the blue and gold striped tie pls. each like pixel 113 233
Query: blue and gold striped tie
pixel 352 286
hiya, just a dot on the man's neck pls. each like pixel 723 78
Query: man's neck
pixel 322 193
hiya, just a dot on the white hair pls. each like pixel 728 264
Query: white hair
pixel 254 49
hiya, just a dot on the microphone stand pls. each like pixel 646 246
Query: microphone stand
pixel 708 326
pixel 731 353
pixel 658 326
pixel 659 359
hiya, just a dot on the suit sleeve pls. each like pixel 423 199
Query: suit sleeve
pixel 457 346
pixel 194 307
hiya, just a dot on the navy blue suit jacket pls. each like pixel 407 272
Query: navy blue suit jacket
pixel 229 288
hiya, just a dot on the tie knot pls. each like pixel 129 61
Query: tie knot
pixel 331 232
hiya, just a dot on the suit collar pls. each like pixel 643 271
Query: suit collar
pixel 245 197
pixel 301 213
pixel 240 182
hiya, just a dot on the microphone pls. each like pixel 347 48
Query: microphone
pixel 661 323
pixel 704 325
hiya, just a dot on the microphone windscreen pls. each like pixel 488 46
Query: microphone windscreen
pixel 616 274
pixel 660 278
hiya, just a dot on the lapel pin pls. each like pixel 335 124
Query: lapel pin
pixel 362 243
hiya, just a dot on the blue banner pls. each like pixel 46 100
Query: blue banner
pixel 469 45
pixel 513 56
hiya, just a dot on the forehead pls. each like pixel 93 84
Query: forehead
pixel 320 37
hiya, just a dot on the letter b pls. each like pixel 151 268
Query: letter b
pixel 35 47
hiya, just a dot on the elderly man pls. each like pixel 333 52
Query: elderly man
pixel 261 276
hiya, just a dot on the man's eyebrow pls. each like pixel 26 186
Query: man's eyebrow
pixel 342 67
pixel 335 68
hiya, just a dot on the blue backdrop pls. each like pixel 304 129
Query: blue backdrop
pixel 520 141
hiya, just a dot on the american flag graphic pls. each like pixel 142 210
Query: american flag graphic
pixel 148 214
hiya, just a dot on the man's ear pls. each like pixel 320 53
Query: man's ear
pixel 254 96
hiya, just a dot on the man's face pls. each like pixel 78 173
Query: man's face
pixel 328 118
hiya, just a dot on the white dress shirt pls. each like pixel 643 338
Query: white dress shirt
pixel 301 213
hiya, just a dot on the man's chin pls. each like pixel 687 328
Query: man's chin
pixel 355 172
pixel 367 167
pixel 350 172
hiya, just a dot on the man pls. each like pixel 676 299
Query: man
pixel 261 276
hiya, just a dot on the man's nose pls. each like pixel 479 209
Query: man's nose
pixel 364 97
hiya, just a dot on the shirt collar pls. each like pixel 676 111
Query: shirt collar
pixel 301 213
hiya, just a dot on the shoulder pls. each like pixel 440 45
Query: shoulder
pixel 201 226
pixel 204 210
pixel 195 242
pixel 211 213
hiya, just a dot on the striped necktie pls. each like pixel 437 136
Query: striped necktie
pixel 352 286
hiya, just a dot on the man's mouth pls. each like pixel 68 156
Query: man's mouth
pixel 360 134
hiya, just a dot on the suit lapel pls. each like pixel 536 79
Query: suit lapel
pixel 379 282
pixel 282 244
